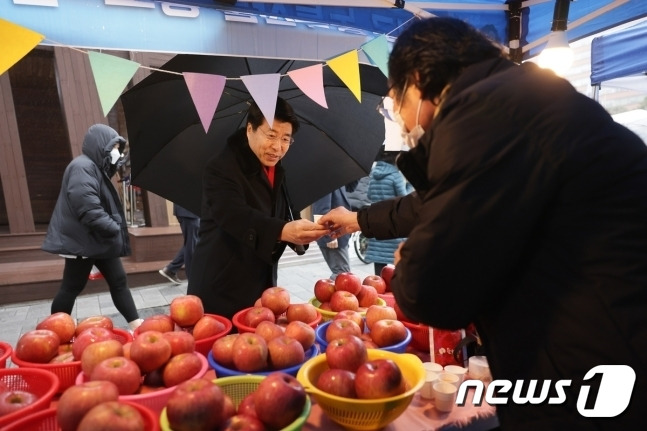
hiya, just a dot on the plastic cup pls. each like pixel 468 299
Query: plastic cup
pixel 432 367
pixel 444 396
pixel 458 370
pixel 450 378
pixel 479 368
pixel 427 390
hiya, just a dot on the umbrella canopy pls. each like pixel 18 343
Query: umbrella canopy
pixel 169 147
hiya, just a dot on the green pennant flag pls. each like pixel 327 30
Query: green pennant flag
pixel 111 75
pixel 377 50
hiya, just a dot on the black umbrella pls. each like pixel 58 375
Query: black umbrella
pixel 169 147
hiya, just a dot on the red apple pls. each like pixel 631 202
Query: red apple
pixel 285 352
pixel 243 423
pixel 207 326
pixel 112 416
pixel 276 299
pixel 77 400
pixel 367 296
pixel 257 303
pixel 378 312
pixel 387 332
pixel 349 282
pixel 346 353
pixel 279 400
pixel 13 400
pixel 64 348
pixel 89 336
pixel 304 312
pixel 186 310
pixel 269 330
pixel 127 349
pixel 302 332
pixel 62 358
pixel 180 341
pixel 228 407
pixel 158 322
pixel 150 350
pixel 181 368
pixel 387 275
pixel 325 306
pixel 353 315
pixel 94 322
pixel 223 350
pixel 196 404
pixel 121 371
pixel 337 382
pixel 37 345
pixel 246 406
pixel 250 352
pixel 343 300
pixel 324 288
pixel 379 378
pixel 376 281
pixel 97 352
pixel 256 315
pixel 61 323
pixel 340 328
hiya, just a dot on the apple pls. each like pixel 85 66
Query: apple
pixel 348 282
pixel 250 352
pixel 88 336
pixel 256 315
pixel 367 296
pixel 97 352
pixel 325 306
pixel 276 299
pixel 269 330
pixel 127 347
pixel 223 350
pixel 324 288
pixel 62 358
pixel 64 348
pixel 196 404
pixel 61 323
pixel 304 312
pixel 378 312
pixel 37 345
pixel 387 332
pixel 243 423
pixel 387 275
pixel 376 281
pixel 379 378
pixel 13 400
pixel 186 310
pixel 158 322
pixel 150 350
pixel 282 321
pixel 181 368
pixel 353 315
pixel 121 371
pixel 343 300
pixel 340 328
pixel 94 322
pixel 112 416
pixel 180 341
pixel 206 327
pixel 337 382
pixel 346 353
pixel 154 379
pixel 302 332
pixel 228 407
pixel 279 399
pixel 370 344
pixel 77 400
pixel 246 406
pixel 257 303
pixel 285 352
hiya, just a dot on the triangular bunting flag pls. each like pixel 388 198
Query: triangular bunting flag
pixel 205 90
pixel 346 66
pixel 310 81
pixel 16 42
pixel 264 89
pixel 377 50
pixel 111 75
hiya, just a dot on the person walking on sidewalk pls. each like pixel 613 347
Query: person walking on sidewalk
pixel 88 225
pixel 189 225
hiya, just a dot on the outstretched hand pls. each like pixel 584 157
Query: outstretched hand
pixel 302 232
pixel 339 222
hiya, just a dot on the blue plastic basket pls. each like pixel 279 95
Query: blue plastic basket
pixel 228 372
pixel 320 338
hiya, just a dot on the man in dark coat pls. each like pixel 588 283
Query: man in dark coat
pixel 246 222
pixel 529 219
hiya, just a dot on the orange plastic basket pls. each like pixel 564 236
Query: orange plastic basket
pixel 41 383
pixel 419 335
pixel 5 353
pixel 46 420
pixel 239 320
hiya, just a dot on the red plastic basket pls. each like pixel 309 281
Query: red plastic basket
pixel 46 420
pixel 155 401
pixel 419 335
pixel 67 371
pixel 41 383
pixel 5 353
pixel 239 320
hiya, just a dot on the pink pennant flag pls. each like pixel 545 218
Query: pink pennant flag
pixel 264 89
pixel 310 81
pixel 206 90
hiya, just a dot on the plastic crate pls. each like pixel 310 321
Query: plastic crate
pixel 42 383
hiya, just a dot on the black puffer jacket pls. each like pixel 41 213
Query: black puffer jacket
pixel 88 218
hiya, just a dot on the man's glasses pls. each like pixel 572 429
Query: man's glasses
pixel 273 138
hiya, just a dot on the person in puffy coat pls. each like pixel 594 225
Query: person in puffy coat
pixel 88 226
pixel 386 182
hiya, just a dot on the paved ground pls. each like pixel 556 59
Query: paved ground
pixel 297 274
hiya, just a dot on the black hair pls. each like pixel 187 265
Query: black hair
pixel 438 49
pixel 283 113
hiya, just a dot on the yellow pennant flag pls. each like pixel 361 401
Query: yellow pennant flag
pixel 346 67
pixel 16 42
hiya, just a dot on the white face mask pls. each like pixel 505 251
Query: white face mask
pixel 410 138
pixel 114 155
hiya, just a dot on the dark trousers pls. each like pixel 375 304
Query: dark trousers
pixel 75 277
pixel 378 267
pixel 184 256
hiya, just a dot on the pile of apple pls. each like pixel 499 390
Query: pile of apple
pixel 275 305
pixel 380 327
pixel 349 292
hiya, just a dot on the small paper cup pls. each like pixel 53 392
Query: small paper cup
pixel 479 369
pixel 444 396
pixel 450 378
pixel 457 370
pixel 433 367
pixel 427 390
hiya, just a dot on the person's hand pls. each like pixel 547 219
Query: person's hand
pixel 340 222
pixel 332 244
pixel 396 253
pixel 302 232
